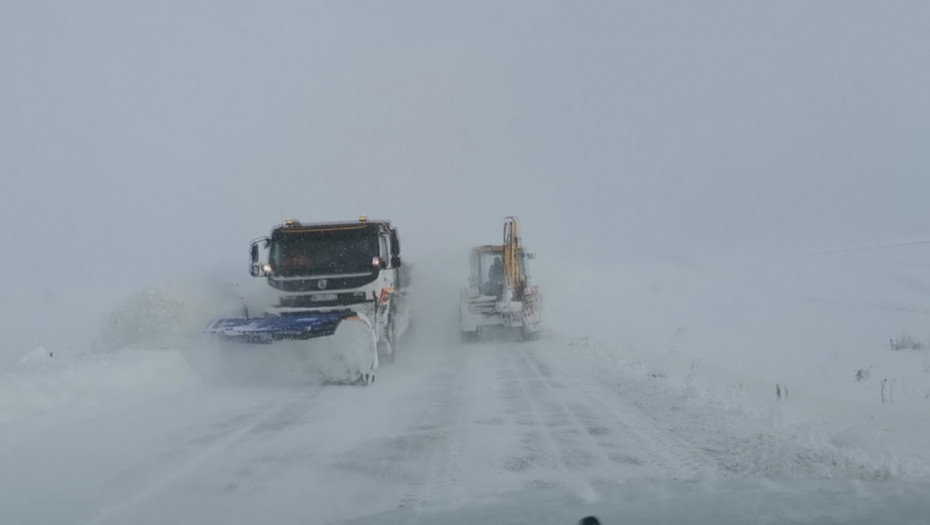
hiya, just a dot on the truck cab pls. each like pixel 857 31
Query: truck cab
pixel 351 268
pixel 330 264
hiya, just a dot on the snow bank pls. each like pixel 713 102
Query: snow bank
pixel 754 433
pixel 79 347
pixel 829 346
pixel 167 316
pixel 43 381
pixel 89 349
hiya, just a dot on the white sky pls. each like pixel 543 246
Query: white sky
pixel 143 137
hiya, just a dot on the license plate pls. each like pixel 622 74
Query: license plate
pixel 324 297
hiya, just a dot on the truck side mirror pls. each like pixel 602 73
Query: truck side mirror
pixel 395 261
pixel 395 245
pixel 256 268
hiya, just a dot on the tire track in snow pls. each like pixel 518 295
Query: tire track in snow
pixel 724 438
pixel 570 439
pixel 674 457
pixel 176 463
pixel 575 435
pixel 416 462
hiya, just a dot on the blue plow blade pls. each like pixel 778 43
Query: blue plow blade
pixel 263 330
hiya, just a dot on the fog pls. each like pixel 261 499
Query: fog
pixel 726 199
pixel 143 141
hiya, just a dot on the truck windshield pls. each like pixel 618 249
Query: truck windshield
pixel 324 251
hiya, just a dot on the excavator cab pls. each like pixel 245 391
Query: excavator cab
pixel 487 270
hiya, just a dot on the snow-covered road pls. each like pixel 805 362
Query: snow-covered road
pixel 445 425
pixel 442 425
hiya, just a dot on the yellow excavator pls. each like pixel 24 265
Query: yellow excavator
pixel 499 295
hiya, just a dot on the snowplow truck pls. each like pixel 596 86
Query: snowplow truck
pixel 338 285
pixel 499 293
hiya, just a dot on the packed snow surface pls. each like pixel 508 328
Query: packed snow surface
pixel 648 427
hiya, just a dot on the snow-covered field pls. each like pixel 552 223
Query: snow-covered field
pixel 663 409
pixel 842 337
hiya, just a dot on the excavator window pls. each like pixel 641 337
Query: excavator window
pixel 489 270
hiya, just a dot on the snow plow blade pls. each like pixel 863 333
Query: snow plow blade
pixel 335 347
pixel 264 330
